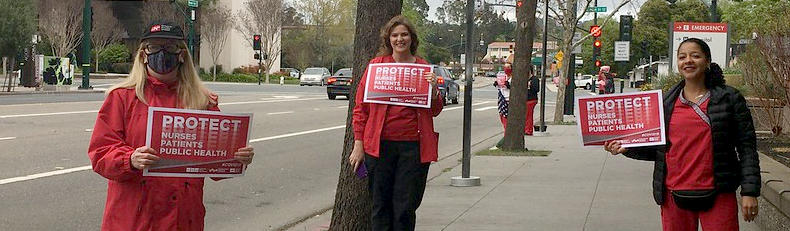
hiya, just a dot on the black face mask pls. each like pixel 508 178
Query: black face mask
pixel 163 62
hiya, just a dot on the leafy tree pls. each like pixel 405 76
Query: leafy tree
pixel 754 16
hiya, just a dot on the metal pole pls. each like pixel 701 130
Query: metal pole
pixel 470 58
pixel 594 57
pixel 543 68
pixel 714 15
pixel 260 72
pixel 86 46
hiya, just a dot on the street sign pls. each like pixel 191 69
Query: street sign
pixel 596 9
pixel 463 59
pixel 622 51
pixel 715 34
pixel 193 3
pixel 576 37
pixel 559 56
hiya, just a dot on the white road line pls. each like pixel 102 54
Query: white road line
pixel 296 134
pixel 47 114
pixel 88 167
pixel 280 113
pixel 94 111
pixel 344 106
pixel 42 175
pixel 462 106
pixel 8 138
pixel 486 108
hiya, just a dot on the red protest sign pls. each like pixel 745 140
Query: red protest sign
pixel 398 84
pixel 196 143
pixel 634 119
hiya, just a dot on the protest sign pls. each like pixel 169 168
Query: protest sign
pixel 634 119
pixel 398 84
pixel 196 143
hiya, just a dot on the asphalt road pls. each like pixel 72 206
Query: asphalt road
pixel 46 182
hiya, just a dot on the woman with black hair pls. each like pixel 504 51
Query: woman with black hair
pixel 710 150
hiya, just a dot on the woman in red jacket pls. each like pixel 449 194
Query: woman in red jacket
pixel 162 76
pixel 399 141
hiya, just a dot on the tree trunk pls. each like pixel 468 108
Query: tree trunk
pixel 525 34
pixel 214 72
pixel 352 201
pixel 559 109
pixel 97 61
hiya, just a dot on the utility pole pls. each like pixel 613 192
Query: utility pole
pixel 465 180
pixel 594 57
pixel 543 68
pixel 87 15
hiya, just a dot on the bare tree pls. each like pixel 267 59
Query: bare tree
pixel 352 201
pixel 162 10
pixel 60 22
pixel 525 34
pixel 106 28
pixel 216 22
pixel 568 13
pixel 767 108
pixel 263 17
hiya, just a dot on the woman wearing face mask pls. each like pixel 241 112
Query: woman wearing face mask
pixel 395 143
pixel 710 150
pixel 162 76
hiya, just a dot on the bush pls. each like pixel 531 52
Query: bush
pixel 122 68
pixel 115 53
pixel 666 82
pixel 251 69
pixel 219 70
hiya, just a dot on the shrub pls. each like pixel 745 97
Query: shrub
pixel 665 82
pixel 115 53
pixel 122 68
pixel 250 69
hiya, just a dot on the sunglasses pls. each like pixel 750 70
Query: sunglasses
pixel 153 48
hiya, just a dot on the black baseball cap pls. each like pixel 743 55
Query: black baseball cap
pixel 162 29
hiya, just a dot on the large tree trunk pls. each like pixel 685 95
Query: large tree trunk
pixel 525 34
pixel 352 201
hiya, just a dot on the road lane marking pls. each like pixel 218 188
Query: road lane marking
pixel 344 106
pixel 280 113
pixel 296 134
pixel 94 111
pixel 486 108
pixel 42 175
pixel 8 138
pixel 461 106
pixel 88 167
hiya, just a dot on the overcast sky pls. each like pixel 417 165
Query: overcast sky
pixel 631 8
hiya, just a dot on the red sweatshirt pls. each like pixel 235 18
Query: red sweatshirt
pixel 368 121
pixel 135 202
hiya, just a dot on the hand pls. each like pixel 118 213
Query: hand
pixel 244 155
pixel 749 208
pixel 431 78
pixel 357 155
pixel 614 147
pixel 143 157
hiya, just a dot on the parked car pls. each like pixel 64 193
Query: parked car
pixel 491 74
pixel 293 72
pixel 339 84
pixel 314 76
pixel 446 84
pixel 584 81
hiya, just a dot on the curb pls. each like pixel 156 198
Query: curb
pixel 50 92
pixel 775 179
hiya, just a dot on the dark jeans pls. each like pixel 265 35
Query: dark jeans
pixel 396 183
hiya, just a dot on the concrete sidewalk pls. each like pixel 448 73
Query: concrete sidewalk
pixel 574 188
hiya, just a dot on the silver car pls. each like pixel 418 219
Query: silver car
pixel 314 76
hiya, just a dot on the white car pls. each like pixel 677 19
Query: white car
pixel 314 76
pixel 584 81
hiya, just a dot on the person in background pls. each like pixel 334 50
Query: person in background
pixel 162 76
pixel 710 150
pixel 532 100
pixel 395 143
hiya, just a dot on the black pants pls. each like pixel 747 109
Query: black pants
pixel 396 182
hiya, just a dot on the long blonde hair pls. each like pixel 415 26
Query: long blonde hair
pixel 192 94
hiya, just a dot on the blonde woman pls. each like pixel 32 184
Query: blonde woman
pixel 162 76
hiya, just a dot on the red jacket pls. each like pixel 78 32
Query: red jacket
pixel 368 120
pixel 135 202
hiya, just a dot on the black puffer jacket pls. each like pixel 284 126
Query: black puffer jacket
pixel 732 130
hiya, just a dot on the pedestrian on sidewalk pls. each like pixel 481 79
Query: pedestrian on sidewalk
pixel 502 84
pixel 710 150
pixel 532 100
pixel 162 75
pixel 396 143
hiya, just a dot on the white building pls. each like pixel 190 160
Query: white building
pixel 238 51
pixel 502 50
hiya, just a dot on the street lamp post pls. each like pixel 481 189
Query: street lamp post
pixel 543 71
pixel 465 179
pixel 86 46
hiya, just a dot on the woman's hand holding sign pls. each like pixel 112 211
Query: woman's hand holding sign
pixel 614 147
pixel 143 157
pixel 431 77
pixel 244 155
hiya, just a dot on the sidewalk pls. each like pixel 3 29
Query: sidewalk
pixel 574 188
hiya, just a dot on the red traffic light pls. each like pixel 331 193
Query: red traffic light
pixel 597 43
pixel 597 63
pixel 256 37
pixel 256 42
pixel 595 30
pixel 519 3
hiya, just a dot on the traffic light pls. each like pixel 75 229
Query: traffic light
pixel 256 42
pixel 257 56
pixel 626 25
pixel 598 63
pixel 597 48
pixel 519 3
